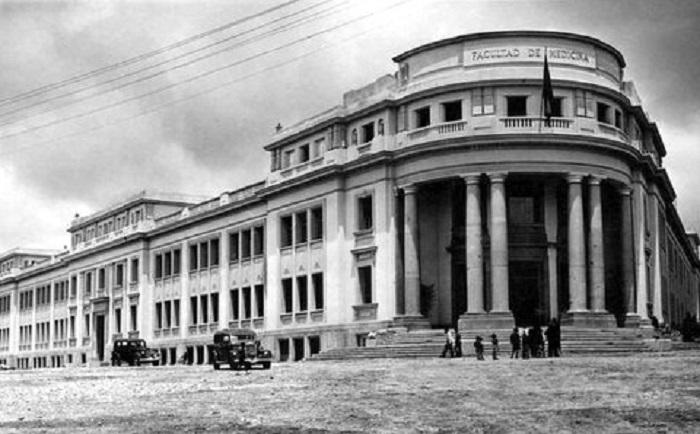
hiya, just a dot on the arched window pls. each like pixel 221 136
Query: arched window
pixel 353 137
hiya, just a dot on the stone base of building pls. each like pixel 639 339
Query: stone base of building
pixel 599 320
pixel 411 322
pixel 486 321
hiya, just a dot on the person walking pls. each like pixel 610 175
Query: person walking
pixel 526 343
pixel 479 348
pixel 514 343
pixel 450 339
pixel 494 346
pixel 458 345
pixel 553 339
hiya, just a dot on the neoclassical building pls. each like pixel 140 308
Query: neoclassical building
pixel 439 195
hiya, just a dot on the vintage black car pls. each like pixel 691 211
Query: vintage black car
pixel 239 348
pixel 134 352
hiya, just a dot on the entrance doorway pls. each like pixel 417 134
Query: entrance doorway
pixel 100 330
pixel 528 301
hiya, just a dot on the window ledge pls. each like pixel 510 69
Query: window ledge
pixel 363 232
pixel 365 312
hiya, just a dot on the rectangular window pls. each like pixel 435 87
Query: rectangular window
pixel 286 231
pixel 364 213
pixel 193 257
pixel 233 246
pixel 364 275
pixel 304 154
pixel 101 278
pixel 134 317
pixel 516 105
pixel 317 282
pixel 88 283
pixel 302 293
pixel 235 305
pixel 287 158
pixel 557 110
pixel 193 310
pixel 367 132
pixel 260 301
pixel 246 303
pixel 204 305
pixel 167 314
pixel 287 295
pixel 176 313
pixel 167 264
pixel 203 255
pixel 258 240
pixel 214 307
pixel 176 262
pixel 134 270
pixel 73 286
pixel 422 117
pixel 618 119
pixel 452 111
pixel 585 106
pixel 118 319
pixel 317 148
pixel 87 325
pixel 159 266
pixel 214 252
pixel 317 223
pixel 245 244
pixel 603 113
pixel 118 277
pixel 301 228
pixel 72 327
pixel 482 101
pixel 159 316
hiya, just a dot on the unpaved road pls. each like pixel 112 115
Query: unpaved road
pixel 645 393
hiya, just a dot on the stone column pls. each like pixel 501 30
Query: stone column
pixel 596 264
pixel 411 264
pixel 639 217
pixel 626 255
pixel 499 244
pixel 473 246
pixel 551 223
pixel 577 248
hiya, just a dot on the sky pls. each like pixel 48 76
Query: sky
pixel 181 121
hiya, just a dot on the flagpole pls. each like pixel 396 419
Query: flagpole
pixel 539 128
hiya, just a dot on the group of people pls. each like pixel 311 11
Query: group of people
pixel 525 343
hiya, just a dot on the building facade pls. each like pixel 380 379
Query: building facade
pixel 436 196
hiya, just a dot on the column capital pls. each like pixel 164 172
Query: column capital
pixel 574 178
pixel 409 188
pixel 594 180
pixel 497 177
pixel 625 190
pixel 472 178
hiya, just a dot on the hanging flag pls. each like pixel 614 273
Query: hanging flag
pixel 547 93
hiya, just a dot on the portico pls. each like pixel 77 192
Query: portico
pixel 522 248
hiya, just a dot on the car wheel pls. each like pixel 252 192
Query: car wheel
pixel 138 362
pixel 266 365
pixel 156 363
pixel 216 366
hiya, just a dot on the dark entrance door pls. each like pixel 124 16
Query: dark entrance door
pixel 100 330
pixel 526 286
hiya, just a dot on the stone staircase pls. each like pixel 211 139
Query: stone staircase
pixel 400 343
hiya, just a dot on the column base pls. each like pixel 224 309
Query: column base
pixel 411 322
pixel 486 321
pixel 632 320
pixel 588 319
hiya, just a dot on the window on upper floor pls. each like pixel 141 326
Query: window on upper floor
pixel 367 132
pixel 258 240
pixel 134 270
pixel 452 111
pixel 483 101
pixel 194 260
pixel 618 119
pixel 203 255
pixel 365 213
pixel 158 273
pixel 287 297
pixel 176 262
pixel 603 113
pixel 233 245
pixel 364 275
pixel 353 137
pixel 422 117
pixel 245 244
pixel 380 127
pixel 516 105
pixel 317 223
pixel 304 154
pixel 119 275
pixel 302 233
pixel 585 105
pixel 101 278
pixel 286 234
pixel 287 158
pixel 167 264
pixel 214 252
pixel 317 148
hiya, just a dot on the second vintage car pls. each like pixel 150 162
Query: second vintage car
pixel 239 348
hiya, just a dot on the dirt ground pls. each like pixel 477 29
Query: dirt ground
pixel 643 393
